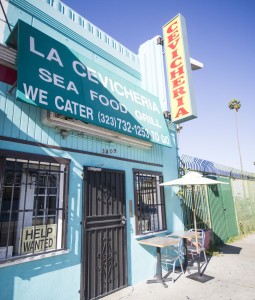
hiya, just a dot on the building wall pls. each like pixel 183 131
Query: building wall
pixel 21 129
pixel 152 69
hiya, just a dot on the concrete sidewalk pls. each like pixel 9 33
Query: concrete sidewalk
pixel 232 272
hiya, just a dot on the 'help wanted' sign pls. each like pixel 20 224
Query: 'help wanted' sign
pixel 38 238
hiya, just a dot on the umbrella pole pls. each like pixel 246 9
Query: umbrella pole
pixel 195 226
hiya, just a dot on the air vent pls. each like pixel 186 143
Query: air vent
pixel 62 122
pixel 8 57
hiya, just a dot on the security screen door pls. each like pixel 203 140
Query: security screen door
pixel 104 267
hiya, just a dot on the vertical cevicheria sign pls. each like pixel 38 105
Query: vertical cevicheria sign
pixel 56 78
pixel 179 71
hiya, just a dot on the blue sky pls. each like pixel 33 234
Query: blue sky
pixel 221 35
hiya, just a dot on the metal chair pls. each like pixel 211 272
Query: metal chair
pixel 170 255
pixel 191 247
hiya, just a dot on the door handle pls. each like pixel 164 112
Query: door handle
pixel 123 220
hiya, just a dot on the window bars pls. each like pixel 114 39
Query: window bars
pixel 33 207
pixel 150 204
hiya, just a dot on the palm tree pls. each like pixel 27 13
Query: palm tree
pixel 236 105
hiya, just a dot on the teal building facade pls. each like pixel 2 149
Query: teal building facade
pixel 85 140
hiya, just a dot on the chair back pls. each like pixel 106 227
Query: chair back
pixel 201 238
pixel 171 255
pixel 173 250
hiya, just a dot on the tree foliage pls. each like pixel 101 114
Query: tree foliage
pixel 234 104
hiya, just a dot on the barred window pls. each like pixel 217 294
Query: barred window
pixel 33 206
pixel 149 202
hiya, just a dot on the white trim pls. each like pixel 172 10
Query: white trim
pixel 195 64
pixel 32 258
pixel 143 236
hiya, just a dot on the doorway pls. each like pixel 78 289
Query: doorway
pixel 104 251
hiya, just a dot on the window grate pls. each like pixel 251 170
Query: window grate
pixel 150 205
pixel 32 207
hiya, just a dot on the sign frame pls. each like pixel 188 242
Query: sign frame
pixel 65 82
pixel 178 68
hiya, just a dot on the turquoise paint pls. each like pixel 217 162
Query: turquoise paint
pixel 41 279
pixel 72 85
pixel 13 111
pixel 138 269
pixel 58 277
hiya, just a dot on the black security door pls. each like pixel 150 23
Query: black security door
pixel 104 267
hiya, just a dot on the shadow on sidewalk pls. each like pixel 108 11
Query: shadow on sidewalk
pixel 229 249
pixel 192 266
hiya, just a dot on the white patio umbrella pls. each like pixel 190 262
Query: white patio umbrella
pixel 192 179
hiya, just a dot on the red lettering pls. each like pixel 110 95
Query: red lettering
pixel 172 37
pixel 181 112
pixel 174 62
pixel 178 81
pixel 175 73
pixel 180 91
pixel 172 27
pixel 176 69
pixel 179 101
pixel 175 54
pixel 173 44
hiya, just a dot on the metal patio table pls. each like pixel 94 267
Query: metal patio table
pixel 159 242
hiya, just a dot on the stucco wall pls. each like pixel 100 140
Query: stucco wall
pixel 58 277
